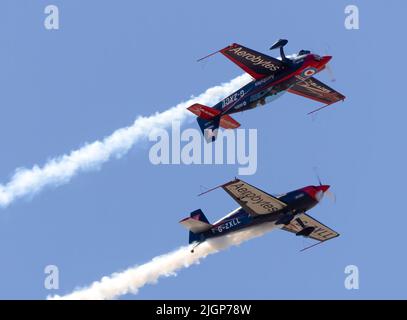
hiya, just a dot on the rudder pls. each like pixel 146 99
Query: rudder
pixel 199 215
pixel 196 223
pixel 209 128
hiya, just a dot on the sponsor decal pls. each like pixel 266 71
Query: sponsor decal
pixel 257 60
pixel 251 197
pixel 232 98
pixel 264 80
pixel 318 231
pixel 240 105
pixel 315 87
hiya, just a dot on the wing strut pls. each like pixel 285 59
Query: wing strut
pixel 320 108
pixel 209 55
pixel 309 247
pixel 209 190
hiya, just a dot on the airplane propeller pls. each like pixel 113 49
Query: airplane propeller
pixel 328 192
pixel 330 72
pixel 331 195
pixel 328 65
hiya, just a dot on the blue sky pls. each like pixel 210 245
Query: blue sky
pixel 110 62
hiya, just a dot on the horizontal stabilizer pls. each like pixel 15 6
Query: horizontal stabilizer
pixel 197 222
pixel 227 122
pixel 203 112
pixel 195 226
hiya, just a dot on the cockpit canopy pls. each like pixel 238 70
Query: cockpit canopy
pixel 303 52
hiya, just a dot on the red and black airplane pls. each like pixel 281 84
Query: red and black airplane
pixel 272 77
pixel 287 212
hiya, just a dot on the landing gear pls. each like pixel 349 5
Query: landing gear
pixel 288 217
pixel 193 249
pixel 285 220
pixel 305 231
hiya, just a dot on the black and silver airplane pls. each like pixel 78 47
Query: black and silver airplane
pixel 287 212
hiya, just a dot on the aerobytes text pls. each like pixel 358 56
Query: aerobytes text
pixel 257 60
pixel 246 195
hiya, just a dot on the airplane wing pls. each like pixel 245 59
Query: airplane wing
pixel 257 64
pixel 316 90
pixel 251 199
pixel 320 233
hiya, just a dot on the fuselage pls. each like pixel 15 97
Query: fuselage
pixel 298 201
pixel 260 92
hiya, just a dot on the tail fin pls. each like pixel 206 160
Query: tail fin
pixel 228 122
pixel 209 128
pixel 197 223
pixel 210 119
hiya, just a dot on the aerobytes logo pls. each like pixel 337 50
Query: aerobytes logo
pixel 247 195
pixel 257 60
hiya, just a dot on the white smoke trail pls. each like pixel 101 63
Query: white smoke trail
pixel 132 279
pixel 60 170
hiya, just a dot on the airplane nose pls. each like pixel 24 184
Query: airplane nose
pixel 325 59
pixel 323 62
pixel 321 191
pixel 324 187
pixel 316 192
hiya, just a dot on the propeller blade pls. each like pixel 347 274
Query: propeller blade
pixel 328 66
pixel 330 72
pixel 331 195
pixel 328 192
pixel 317 175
